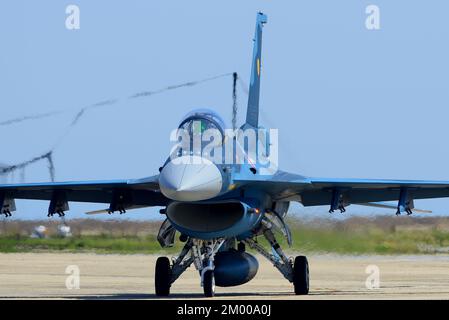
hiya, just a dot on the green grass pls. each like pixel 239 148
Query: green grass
pixel 95 243
pixel 369 240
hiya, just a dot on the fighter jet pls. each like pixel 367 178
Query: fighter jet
pixel 220 206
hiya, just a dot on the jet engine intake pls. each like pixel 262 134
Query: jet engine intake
pixel 208 220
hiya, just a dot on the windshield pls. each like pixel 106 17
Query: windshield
pixel 204 116
pixel 203 127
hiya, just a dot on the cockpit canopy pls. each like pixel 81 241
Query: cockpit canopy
pixel 198 129
pixel 200 120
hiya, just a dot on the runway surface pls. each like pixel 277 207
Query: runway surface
pixel 43 276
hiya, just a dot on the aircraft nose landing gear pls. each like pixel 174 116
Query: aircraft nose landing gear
pixel 204 253
pixel 208 278
pixel 209 283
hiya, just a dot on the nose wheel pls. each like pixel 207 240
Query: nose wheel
pixel 301 275
pixel 209 283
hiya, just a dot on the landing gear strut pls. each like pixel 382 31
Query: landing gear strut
pixel 297 271
pixel 203 253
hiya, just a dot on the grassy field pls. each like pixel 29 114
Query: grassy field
pixel 380 235
pixel 92 243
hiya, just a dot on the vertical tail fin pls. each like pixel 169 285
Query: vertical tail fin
pixel 252 113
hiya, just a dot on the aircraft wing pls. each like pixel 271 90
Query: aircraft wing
pixel 119 194
pixel 372 190
pixel 323 191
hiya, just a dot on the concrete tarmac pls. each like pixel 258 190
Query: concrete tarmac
pixel 43 276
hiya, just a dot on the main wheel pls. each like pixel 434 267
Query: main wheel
pixel 209 283
pixel 162 276
pixel 301 275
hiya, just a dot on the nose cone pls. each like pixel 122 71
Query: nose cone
pixel 190 178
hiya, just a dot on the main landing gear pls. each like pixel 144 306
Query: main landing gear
pixel 301 275
pixel 162 279
pixel 296 271
pixel 202 254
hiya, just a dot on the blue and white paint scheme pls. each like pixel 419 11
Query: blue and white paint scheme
pixel 218 209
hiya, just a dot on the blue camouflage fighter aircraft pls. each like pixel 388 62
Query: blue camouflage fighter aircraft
pixel 220 209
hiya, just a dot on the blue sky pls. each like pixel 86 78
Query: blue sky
pixel 349 102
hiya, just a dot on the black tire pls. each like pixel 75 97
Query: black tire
pixel 162 277
pixel 209 283
pixel 301 275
